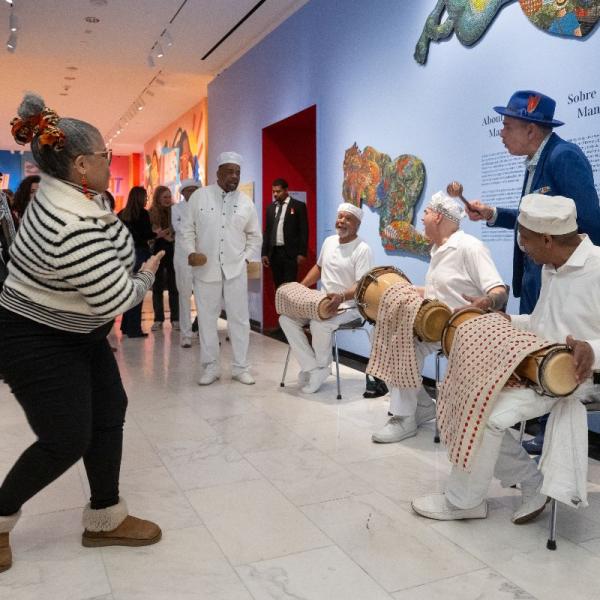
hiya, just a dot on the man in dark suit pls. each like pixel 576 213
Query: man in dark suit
pixel 285 239
pixel 555 167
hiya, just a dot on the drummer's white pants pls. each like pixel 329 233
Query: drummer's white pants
pixel 403 401
pixel 500 454
pixel 319 354
pixel 185 285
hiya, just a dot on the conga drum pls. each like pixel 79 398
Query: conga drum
pixel 371 288
pixel 551 369
pixel 299 302
pixel 457 319
pixel 431 320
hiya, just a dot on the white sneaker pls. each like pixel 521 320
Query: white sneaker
pixel 244 378
pixel 425 410
pixel 186 342
pixel 175 325
pixel 156 326
pixel 210 375
pixel 303 378
pixel 533 503
pixel 396 430
pixel 316 379
pixel 436 506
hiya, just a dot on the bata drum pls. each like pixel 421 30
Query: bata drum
pixel 551 369
pixel 299 302
pixel 371 288
pixel 431 320
pixel 457 319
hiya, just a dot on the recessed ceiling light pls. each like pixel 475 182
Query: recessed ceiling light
pixel 72 68
pixel 68 78
pixel 92 20
pixel 87 31
pixel 98 2
pixel 63 94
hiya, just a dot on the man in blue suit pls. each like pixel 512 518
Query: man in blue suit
pixel 554 167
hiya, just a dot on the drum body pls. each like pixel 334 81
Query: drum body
pixel 552 369
pixel 371 288
pixel 431 320
pixel 453 323
pixel 299 302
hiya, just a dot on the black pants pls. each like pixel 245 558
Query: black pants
pixel 284 268
pixel 70 388
pixel 165 279
pixel 131 321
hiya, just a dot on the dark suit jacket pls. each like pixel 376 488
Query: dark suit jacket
pixel 563 170
pixel 295 229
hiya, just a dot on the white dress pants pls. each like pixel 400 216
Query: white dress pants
pixel 403 401
pixel 185 287
pixel 318 355
pixel 500 454
pixel 208 296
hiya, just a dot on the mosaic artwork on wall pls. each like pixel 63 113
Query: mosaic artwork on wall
pixel 392 188
pixel 469 19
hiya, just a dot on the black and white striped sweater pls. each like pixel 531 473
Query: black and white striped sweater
pixel 71 262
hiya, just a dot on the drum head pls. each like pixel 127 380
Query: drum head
pixel 431 320
pixel 458 318
pixel 557 372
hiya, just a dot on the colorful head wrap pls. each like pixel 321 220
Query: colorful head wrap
pixel 43 125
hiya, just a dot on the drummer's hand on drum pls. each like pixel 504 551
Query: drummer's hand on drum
pixel 482 302
pixel 583 357
pixel 478 211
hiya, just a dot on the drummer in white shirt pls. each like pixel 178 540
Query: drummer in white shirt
pixel 461 273
pixel 183 271
pixel 343 260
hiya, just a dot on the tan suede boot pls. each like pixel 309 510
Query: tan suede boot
pixel 112 526
pixel 6 526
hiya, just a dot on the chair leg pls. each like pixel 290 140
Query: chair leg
pixel 337 365
pixel 551 543
pixel 522 431
pixel 436 435
pixel 285 368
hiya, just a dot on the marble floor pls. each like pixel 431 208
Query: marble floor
pixel 265 493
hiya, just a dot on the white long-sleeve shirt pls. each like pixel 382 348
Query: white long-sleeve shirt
pixel 569 302
pixel 224 227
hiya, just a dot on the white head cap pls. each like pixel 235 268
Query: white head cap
pixel 553 215
pixel 186 183
pixel 226 158
pixel 443 204
pixel 352 209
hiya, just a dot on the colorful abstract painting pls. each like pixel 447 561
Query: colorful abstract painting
pixel 570 18
pixel 392 188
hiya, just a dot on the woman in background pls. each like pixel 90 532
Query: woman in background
pixel 137 220
pixel 160 217
pixel 24 195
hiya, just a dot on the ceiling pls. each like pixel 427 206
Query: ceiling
pixel 97 71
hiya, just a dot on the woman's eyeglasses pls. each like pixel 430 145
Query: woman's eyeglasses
pixel 107 154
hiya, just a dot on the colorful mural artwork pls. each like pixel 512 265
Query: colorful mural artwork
pixel 178 152
pixel 392 187
pixel 469 19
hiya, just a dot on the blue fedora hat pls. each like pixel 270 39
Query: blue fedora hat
pixel 528 105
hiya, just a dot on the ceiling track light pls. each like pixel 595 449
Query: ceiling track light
pixel 159 51
pixel 13 23
pixel 167 37
pixel 9 2
pixel 11 44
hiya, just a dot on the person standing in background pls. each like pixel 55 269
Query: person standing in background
pixel 137 220
pixel 160 217
pixel 183 271
pixel 285 239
